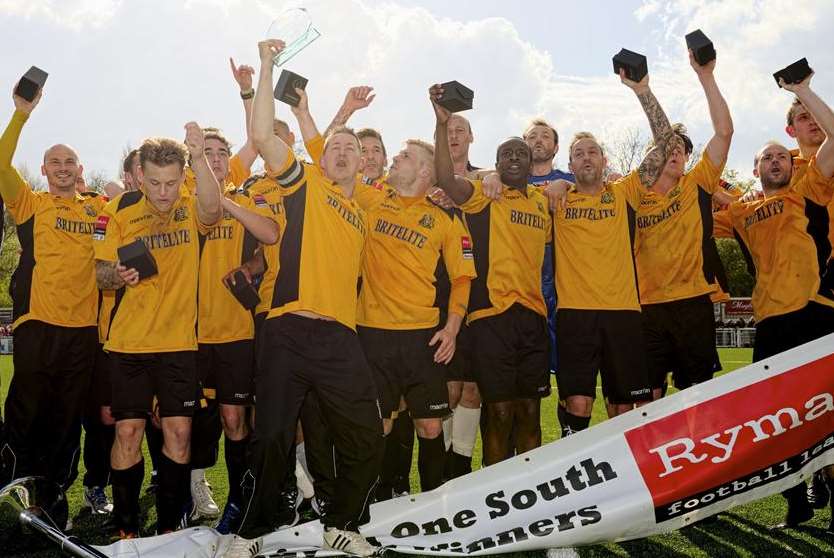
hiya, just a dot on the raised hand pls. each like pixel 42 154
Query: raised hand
pixel 792 87
pixel 269 49
pixel 701 70
pixel 194 139
pixel 303 106
pixel 242 74
pixel 637 86
pixel 492 185
pixel 358 97
pixel 22 104
pixel 129 275
pixel 435 93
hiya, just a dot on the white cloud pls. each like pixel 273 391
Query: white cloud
pixel 73 14
pixel 151 66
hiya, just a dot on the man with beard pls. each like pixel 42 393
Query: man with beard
pixel 507 315
pixel 55 310
pixel 414 250
pixel 543 140
pixel 784 231
pixel 675 285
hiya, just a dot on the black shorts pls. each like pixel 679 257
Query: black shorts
pixel 680 338
pixel 137 378
pixel 786 331
pixel 403 366
pixel 101 390
pixel 460 367
pixel 228 368
pixel 509 355
pixel 605 341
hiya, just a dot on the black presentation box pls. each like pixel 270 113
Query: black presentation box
pixel 137 256
pixel 456 97
pixel 702 48
pixel 31 82
pixel 794 73
pixel 635 65
pixel 288 82
pixel 244 291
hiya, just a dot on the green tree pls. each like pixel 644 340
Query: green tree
pixel 740 281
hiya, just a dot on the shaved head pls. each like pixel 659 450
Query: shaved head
pixel 60 150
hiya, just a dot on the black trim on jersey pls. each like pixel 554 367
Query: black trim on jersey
pixel 129 198
pixel 713 267
pixel 479 227
pixel 25 268
pixel 252 180
pixel 631 213
pixel 89 194
pixel 818 223
pixel 289 254
pixel 120 293
pixel 292 176
pixel 748 259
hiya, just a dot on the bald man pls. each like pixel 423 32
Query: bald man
pixel 55 309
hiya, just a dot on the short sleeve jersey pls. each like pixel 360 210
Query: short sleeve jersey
pixel 671 229
pixel 593 243
pixel 266 188
pixel 55 281
pixel 227 245
pixel 412 246
pixel 320 252
pixel 159 314
pixel 509 237
pixel 775 233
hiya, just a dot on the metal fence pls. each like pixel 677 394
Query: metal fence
pixel 735 336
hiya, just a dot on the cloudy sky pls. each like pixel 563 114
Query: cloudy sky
pixel 121 70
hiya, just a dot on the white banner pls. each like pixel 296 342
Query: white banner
pixel 730 441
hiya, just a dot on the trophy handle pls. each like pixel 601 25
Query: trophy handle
pixel 68 543
pixel 289 53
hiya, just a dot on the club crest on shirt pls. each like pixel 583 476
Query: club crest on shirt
pixel 676 191
pixel 90 210
pixel 426 221
pixel 180 214
pixel 540 206
pixel 607 197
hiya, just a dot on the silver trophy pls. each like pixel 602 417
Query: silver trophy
pixel 295 28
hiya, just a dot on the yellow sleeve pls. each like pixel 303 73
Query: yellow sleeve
pixel 477 201
pixel 631 187
pixel 706 175
pixel 19 198
pixel 107 234
pixel 457 251
pixel 722 224
pixel 368 196
pixel 459 296
pixel 315 149
pixel 815 186
pixel 237 172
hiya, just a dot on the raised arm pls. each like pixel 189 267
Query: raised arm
pixel 356 98
pixel 10 181
pixel 243 76
pixel 664 138
pixel 456 187
pixel 265 230
pixel 273 151
pixel 306 124
pixel 824 117
pixel 722 123
pixel 209 209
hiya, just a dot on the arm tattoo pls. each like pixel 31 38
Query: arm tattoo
pixel 107 277
pixel 340 119
pixel 654 112
pixel 651 165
